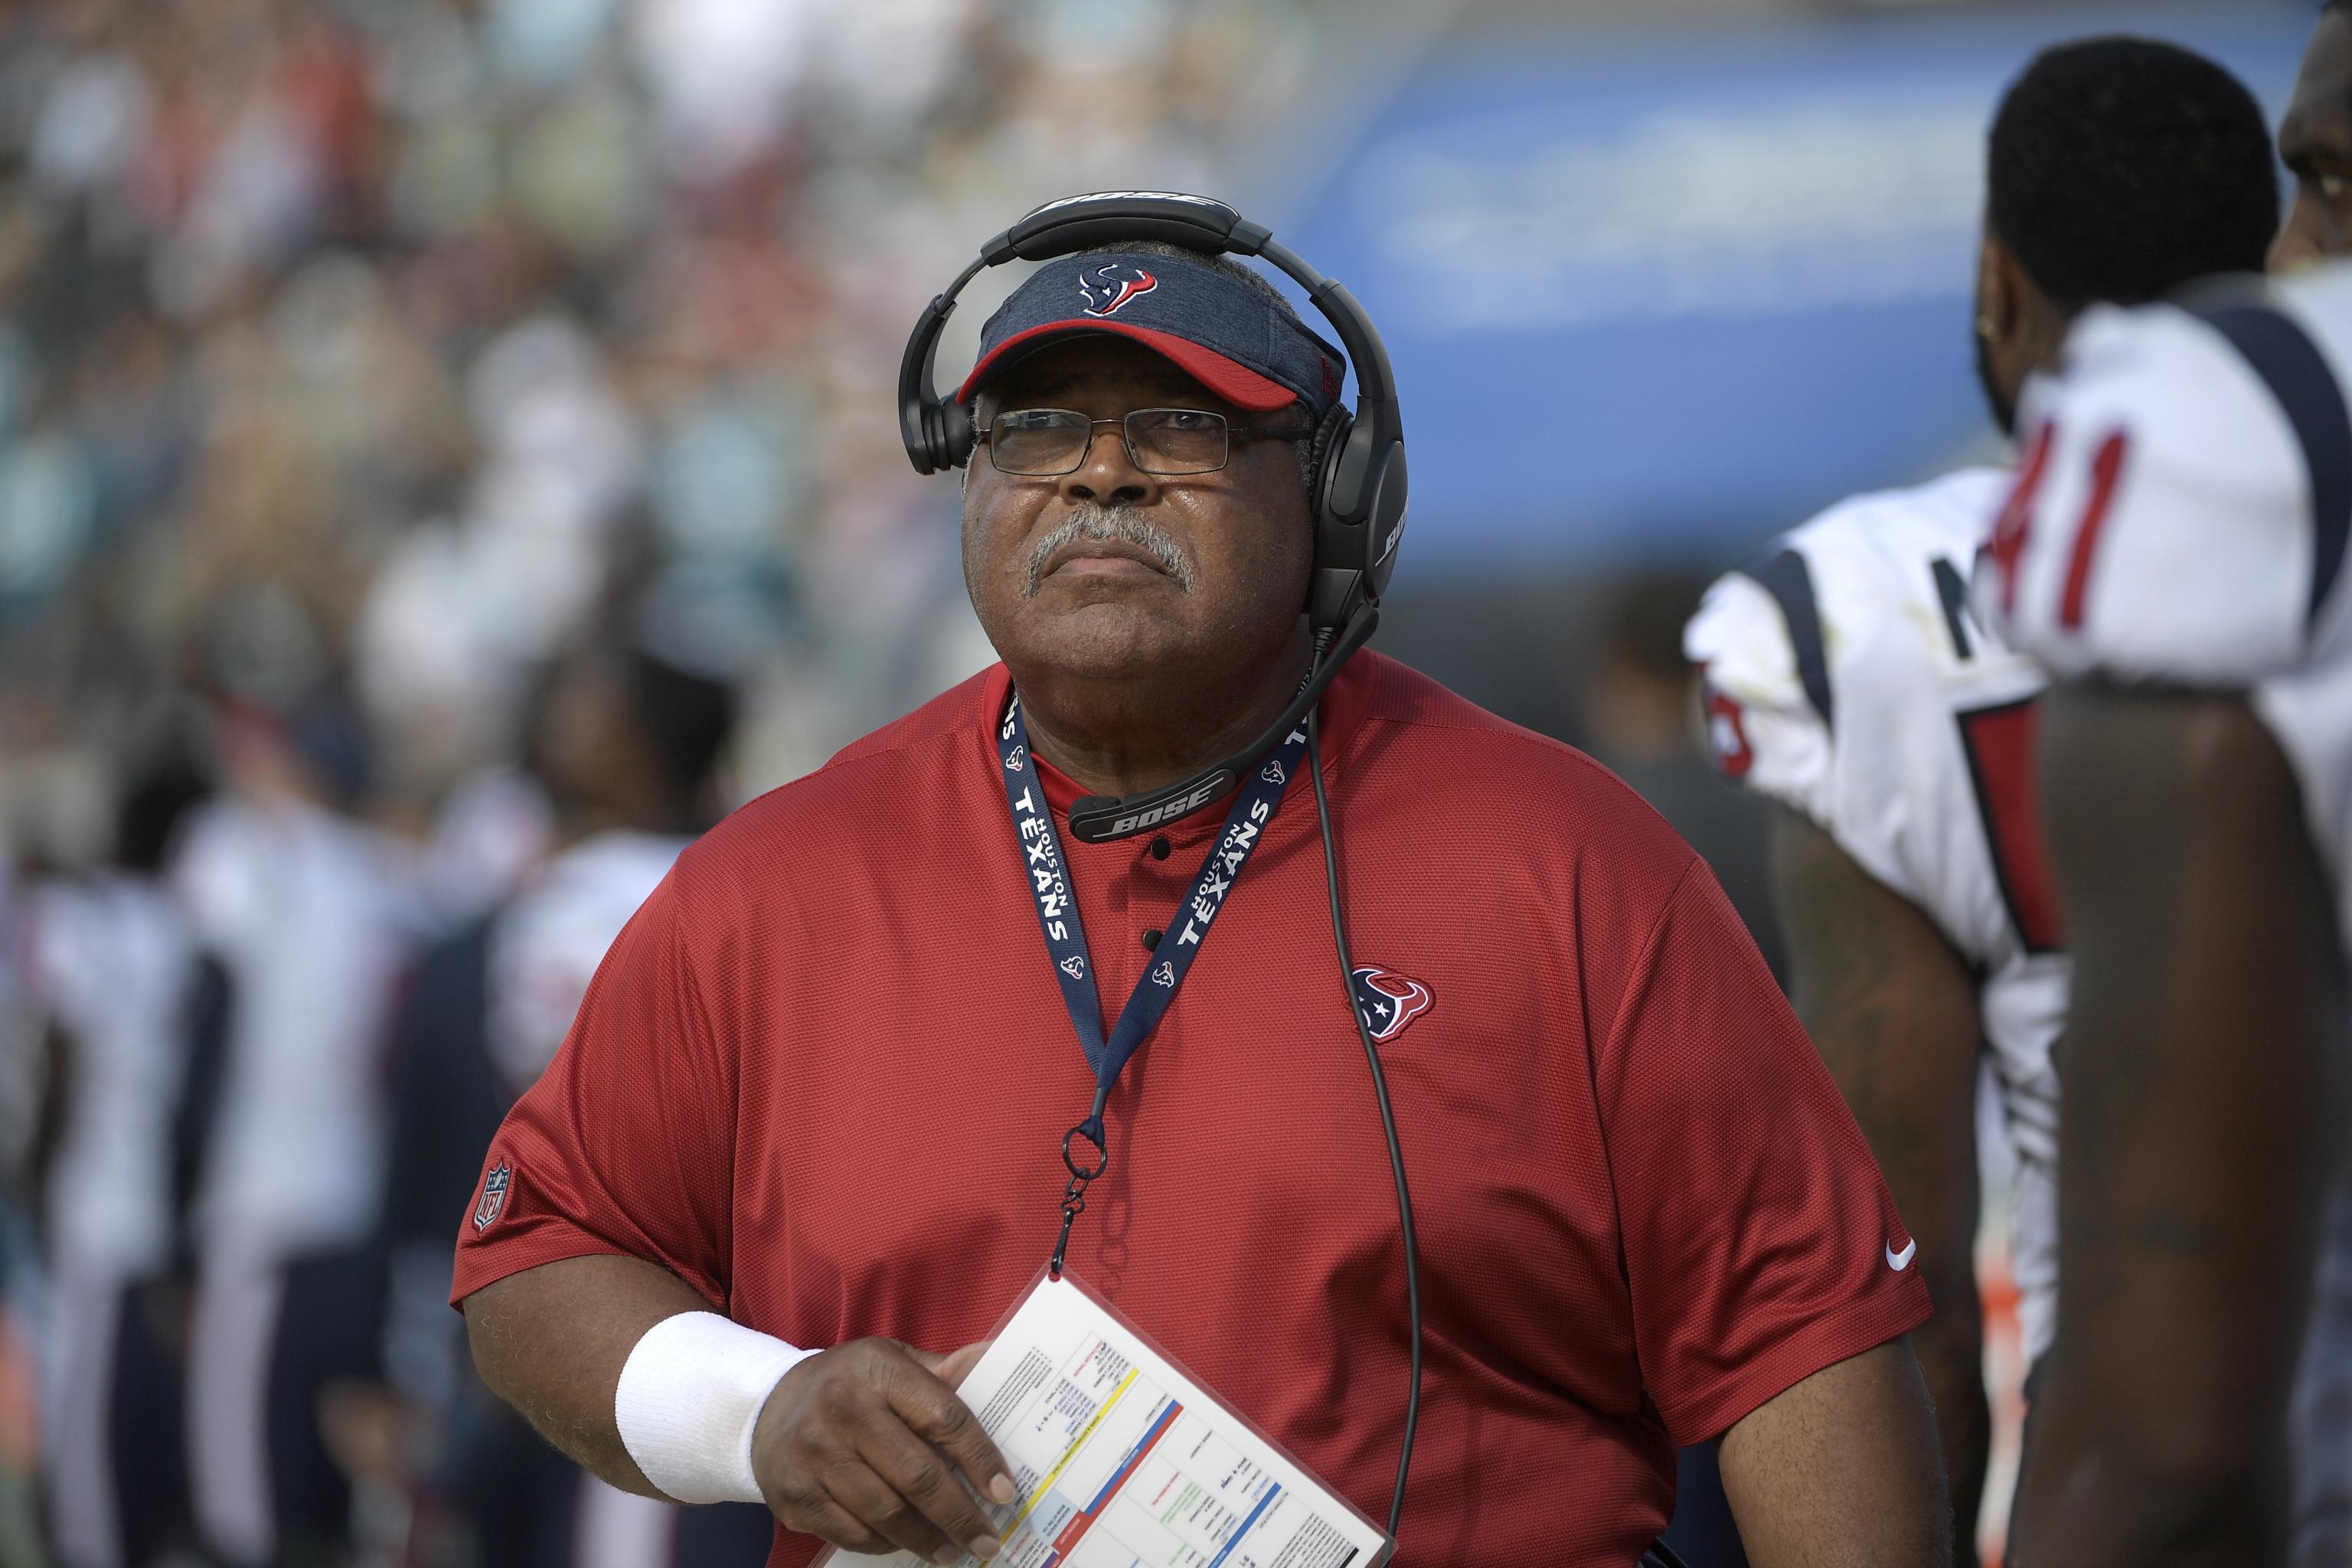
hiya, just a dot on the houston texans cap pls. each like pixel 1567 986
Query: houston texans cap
pixel 1214 327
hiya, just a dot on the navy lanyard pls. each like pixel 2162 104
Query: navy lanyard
pixel 1066 937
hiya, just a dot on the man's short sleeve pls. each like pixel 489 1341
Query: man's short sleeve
pixel 1760 1243
pixel 2162 526
pixel 622 1146
pixel 1852 617
pixel 1765 728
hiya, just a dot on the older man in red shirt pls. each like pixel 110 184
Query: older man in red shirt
pixel 817 1095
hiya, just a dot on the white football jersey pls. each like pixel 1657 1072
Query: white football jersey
pixel 2181 516
pixel 110 958
pixel 304 910
pixel 1847 677
pixel 546 943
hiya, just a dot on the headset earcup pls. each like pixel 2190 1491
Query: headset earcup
pixel 1363 478
pixel 1355 476
pixel 915 427
pixel 957 436
pixel 1318 456
pixel 1335 585
pixel 1384 524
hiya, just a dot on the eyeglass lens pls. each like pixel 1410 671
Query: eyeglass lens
pixel 1161 440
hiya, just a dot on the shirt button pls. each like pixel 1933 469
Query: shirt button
pixel 1150 941
pixel 1160 847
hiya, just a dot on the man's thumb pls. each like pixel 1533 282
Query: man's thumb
pixel 950 1367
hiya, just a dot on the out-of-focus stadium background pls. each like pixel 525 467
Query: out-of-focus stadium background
pixel 358 359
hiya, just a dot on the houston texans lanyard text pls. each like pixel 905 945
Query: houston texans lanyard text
pixel 1066 937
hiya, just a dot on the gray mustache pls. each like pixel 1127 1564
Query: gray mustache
pixel 1125 524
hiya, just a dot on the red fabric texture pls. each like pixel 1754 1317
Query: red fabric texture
pixel 825 1072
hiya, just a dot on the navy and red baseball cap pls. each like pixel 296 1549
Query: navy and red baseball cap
pixel 1212 326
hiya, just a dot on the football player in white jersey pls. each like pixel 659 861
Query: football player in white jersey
pixel 1847 678
pixel 2176 557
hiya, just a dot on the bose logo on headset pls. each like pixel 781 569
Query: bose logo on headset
pixel 1167 811
pixel 1130 196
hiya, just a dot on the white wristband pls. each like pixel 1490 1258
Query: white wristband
pixel 689 1398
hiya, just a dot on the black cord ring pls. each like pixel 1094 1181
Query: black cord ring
pixel 1102 1153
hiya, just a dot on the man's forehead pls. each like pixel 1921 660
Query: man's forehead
pixel 2321 111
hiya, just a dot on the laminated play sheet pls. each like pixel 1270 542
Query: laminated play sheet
pixel 1123 1461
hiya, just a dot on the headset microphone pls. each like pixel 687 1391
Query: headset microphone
pixel 1098 820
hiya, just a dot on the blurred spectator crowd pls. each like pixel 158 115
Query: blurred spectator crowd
pixel 426 426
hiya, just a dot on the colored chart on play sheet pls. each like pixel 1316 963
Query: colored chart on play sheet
pixel 1122 1462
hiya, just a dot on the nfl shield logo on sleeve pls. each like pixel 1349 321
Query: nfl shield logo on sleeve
pixel 494 1195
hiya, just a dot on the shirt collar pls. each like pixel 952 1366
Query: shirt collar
pixel 1344 706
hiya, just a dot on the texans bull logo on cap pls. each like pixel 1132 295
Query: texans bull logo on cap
pixel 1389 1002
pixel 1109 288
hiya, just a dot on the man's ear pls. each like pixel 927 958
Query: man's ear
pixel 2000 304
pixel 2021 322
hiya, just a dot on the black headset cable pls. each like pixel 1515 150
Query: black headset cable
pixel 1388 1116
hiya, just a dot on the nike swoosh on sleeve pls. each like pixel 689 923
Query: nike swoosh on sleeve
pixel 1899 1261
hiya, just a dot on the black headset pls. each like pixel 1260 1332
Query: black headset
pixel 1359 492
pixel 1357 488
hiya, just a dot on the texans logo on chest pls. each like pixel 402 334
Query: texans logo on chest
pixel 1389 1001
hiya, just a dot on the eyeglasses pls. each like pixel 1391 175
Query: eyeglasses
pixel 1034 441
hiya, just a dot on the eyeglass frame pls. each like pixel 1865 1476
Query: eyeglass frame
pixel 984 436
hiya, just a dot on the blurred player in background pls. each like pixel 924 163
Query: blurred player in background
pixel 1847 679
pixel 627 744
pixel 310 915
pixel 116 973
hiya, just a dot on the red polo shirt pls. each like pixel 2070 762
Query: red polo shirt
pixel 824 1073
